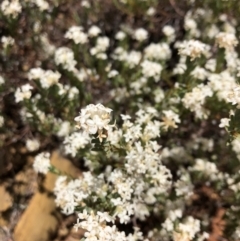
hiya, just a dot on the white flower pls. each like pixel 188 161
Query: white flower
pixel 168 225
pixel 1 121
pixel 184 186
pixel 43 5
pixel 211 65
pixel 85 4
pixel 113 73
pixel 140 34
pixel 206 167
pixel 94 31
pixel 199 73
pixel 195 100
pixel 101 56
pixel 11 8
pixel 180 68
pixel 190 24
pixel 35 73
pixel 101 46
pixel 104 217
pixel 204 236
pixel 97 229
pixel 42 162
pixel 151 11
pixel 32 144
pixel 187 230
pixel 157 51
pixel 158 95
pixel 125 117
pixel 70 194
pixel 2 80
pixel 236 145
pixel 133 58
pixel 234 96
pixel 94 118
pixel 120 35
pixel 151 69
pixel 226 40
pixel 7 41
pixel 229 28
pixel 82 74
pixel 170 119
pixel 169 31
pixel 193 48
pixel 224 122
pixel 49 78
pixel 72 93
pixel 120 54
pixel 23 92
pixel 64 129
pixel 77 35
pixel 103 43
pixel 212 31
pixel 225 86
pixel 65 57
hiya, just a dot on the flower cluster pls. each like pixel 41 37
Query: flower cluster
pixel 24 92
pixel 95 119
pixel 193 49
pixel 42 162
pixel 46 78
pixel 175 96
pixel 11 8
